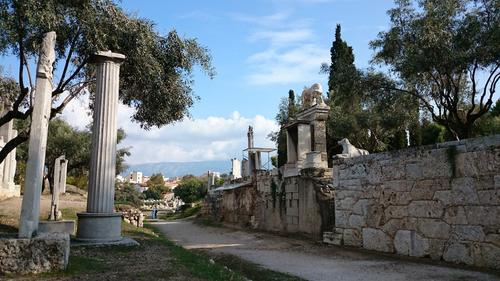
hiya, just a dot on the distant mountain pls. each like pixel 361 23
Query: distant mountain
pixel 178 169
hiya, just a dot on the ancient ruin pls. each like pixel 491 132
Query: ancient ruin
pixel 30 211
pixel 8 167
pixel 101 224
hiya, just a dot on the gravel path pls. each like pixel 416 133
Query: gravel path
pixel 308 260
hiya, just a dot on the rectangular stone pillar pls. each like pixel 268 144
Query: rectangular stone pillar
pixel 100 224
pixel 30 209
pixel 62 179
pixel 54 208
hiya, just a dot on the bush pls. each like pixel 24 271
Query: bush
pixel 126 194
pixel 190 189
pixel 156 192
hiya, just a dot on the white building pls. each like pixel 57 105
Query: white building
pixel 235 169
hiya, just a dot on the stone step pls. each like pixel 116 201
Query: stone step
pixel 333 238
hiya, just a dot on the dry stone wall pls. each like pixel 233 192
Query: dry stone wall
pixel 440 201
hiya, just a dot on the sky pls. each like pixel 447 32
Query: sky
pixel 260 49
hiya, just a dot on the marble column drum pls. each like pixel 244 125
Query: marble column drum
pixel 100 224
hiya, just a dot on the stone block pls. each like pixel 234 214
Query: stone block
pixel 409 243
pixel 483 215
pixel 426 209
pixel 330 237
pixel 392 172
pixel 489 197
pixel 371 191
pixel 493 238
pixel 356 221
pixel 393 225
pixel 433 228
pixel 424 189
pixel 458 253
pixel 397 185
pixel 377 240
pixel 490 255
pixel 396 212
pixel 455 215
pixel 342 218
pixel 413 171
pixel 467 233
pixel 389 197
pixel 374 214
pixel 436 248
pixel 352 237
pixel 463 191
pixel 65 226
pixel 496 181
pixel 360 207
pixel 43 253
pixel 346 203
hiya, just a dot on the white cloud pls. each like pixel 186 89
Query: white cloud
pixel 291 55
pixel 211 138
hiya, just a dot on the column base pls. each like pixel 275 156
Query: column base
pixel 99 227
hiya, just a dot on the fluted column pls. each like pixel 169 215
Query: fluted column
pixel 100 223
pixel 103 159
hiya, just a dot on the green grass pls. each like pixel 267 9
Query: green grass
pixel 189 212
pixel 207 221
pixel 69 214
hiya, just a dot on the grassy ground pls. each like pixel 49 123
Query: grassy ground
pixel 189 212
pixel 157 258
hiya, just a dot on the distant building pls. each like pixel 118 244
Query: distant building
pixel 120 178
pixel 145 179
pixel 135 177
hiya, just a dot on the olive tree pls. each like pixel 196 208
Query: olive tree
pixel 155 79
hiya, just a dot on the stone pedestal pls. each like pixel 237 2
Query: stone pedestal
pixel 100 223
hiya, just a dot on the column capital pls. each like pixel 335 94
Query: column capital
pixel 103 56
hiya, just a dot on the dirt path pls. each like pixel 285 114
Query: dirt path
pixel 308 260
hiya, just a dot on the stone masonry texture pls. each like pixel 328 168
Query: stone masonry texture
pixel 440 201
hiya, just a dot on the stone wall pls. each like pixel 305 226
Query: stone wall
pixel 272 203
pixel 44 253
pixel 440 201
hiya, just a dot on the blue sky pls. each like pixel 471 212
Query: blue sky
pixel 260 50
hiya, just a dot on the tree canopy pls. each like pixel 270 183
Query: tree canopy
pixel 446 54
pixel 155 78
pixel 190 189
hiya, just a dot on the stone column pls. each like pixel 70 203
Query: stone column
pixel 7 134
pixel 30 209
pixel 54 208
pixel 64 172
pixel 13 163
pixel 100 223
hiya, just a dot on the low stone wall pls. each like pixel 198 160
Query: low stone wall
pixel 44 253
pixel 440 201
pixel 134 217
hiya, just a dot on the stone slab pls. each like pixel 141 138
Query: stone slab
pixel 65 226
pixel 44 253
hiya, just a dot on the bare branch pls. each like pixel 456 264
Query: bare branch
pixel 13 143
pixel 68 59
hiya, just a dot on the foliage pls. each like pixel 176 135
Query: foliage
pixel 287 111
pixel 371 117
pixel 75 144
pixel 432 133
pixel 445 53
pixel 185 212
pixel 155 78
pixel 343 77
pixel 190 189
pixel 156 191
pixel 125 193
pixel 156 179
